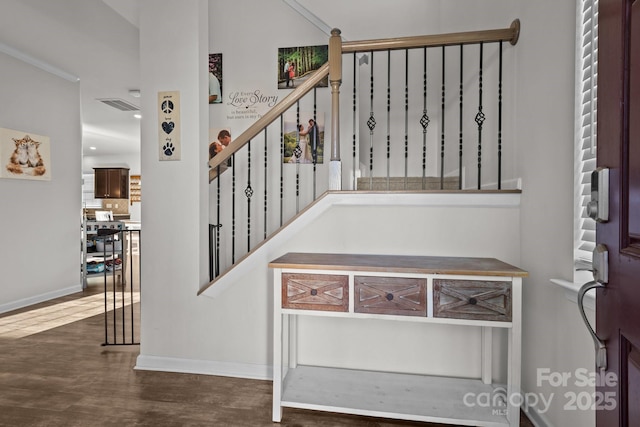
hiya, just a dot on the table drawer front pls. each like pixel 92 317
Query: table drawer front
pixel 472 299
pixel 390 295
pixel 326 292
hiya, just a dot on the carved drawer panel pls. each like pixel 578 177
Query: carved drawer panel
pixel 390 295
pixel 315 292
pixel 472 299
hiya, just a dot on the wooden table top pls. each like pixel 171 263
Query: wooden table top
pixel 398 264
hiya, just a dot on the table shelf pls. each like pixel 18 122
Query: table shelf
pixel 392 395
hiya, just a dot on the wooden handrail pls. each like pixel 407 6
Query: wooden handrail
pixel 264 121
pixel 510 34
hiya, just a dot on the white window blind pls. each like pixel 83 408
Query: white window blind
pixel 586 119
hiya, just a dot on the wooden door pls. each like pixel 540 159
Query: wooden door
pixel 618 306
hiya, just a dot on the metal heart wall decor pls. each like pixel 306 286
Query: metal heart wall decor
pixel 167 127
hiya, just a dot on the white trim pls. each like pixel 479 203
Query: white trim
pixel 204 367
pixel 571 290
pixel 537 418
pixel 309 16
pixel 4 48
pixel 25 302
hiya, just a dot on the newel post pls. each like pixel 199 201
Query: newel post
pixel 335 79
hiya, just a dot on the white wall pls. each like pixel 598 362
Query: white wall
pixel 174 193
pixel 231 334
pixel 554 337
pixel 236 328
pixel 40 220
pixel 176 323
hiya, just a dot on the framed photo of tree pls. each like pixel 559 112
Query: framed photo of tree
pixel 296 63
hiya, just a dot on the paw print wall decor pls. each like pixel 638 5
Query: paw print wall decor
pixel 168 149
pixel 169 125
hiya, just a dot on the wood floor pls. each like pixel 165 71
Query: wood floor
pixel 65 377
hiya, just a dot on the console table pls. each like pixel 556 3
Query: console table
pixel 479 292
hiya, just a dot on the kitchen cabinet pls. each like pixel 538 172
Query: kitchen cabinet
pixel 111 183
pixel 477 293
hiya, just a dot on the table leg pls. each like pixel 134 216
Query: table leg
pixel 487 354
pixel 277 348
pixel 514 393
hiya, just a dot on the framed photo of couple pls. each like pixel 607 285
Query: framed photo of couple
pixel 303 140
pixel 296 63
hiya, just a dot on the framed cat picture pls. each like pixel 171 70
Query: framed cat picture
pixel 24 155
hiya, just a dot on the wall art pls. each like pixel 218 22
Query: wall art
pixel 169 125
pixel 303 137
pixel 24 155
pixel 296 63
pixel 215 78
pixel 219 138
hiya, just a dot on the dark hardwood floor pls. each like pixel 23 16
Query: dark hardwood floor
pixel 65 377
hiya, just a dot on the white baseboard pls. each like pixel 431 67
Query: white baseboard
pixel 204 367
pixel 537 419
pixel 25 302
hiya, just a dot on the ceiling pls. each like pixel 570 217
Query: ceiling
pixel 96 41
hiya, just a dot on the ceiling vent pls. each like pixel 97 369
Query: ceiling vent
pixel 120 104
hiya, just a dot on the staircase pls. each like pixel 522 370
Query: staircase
pixel 260 196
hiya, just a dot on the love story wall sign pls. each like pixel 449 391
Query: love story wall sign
pixel 169 125
pixel 249 104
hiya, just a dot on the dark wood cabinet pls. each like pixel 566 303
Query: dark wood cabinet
pixel 111 183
